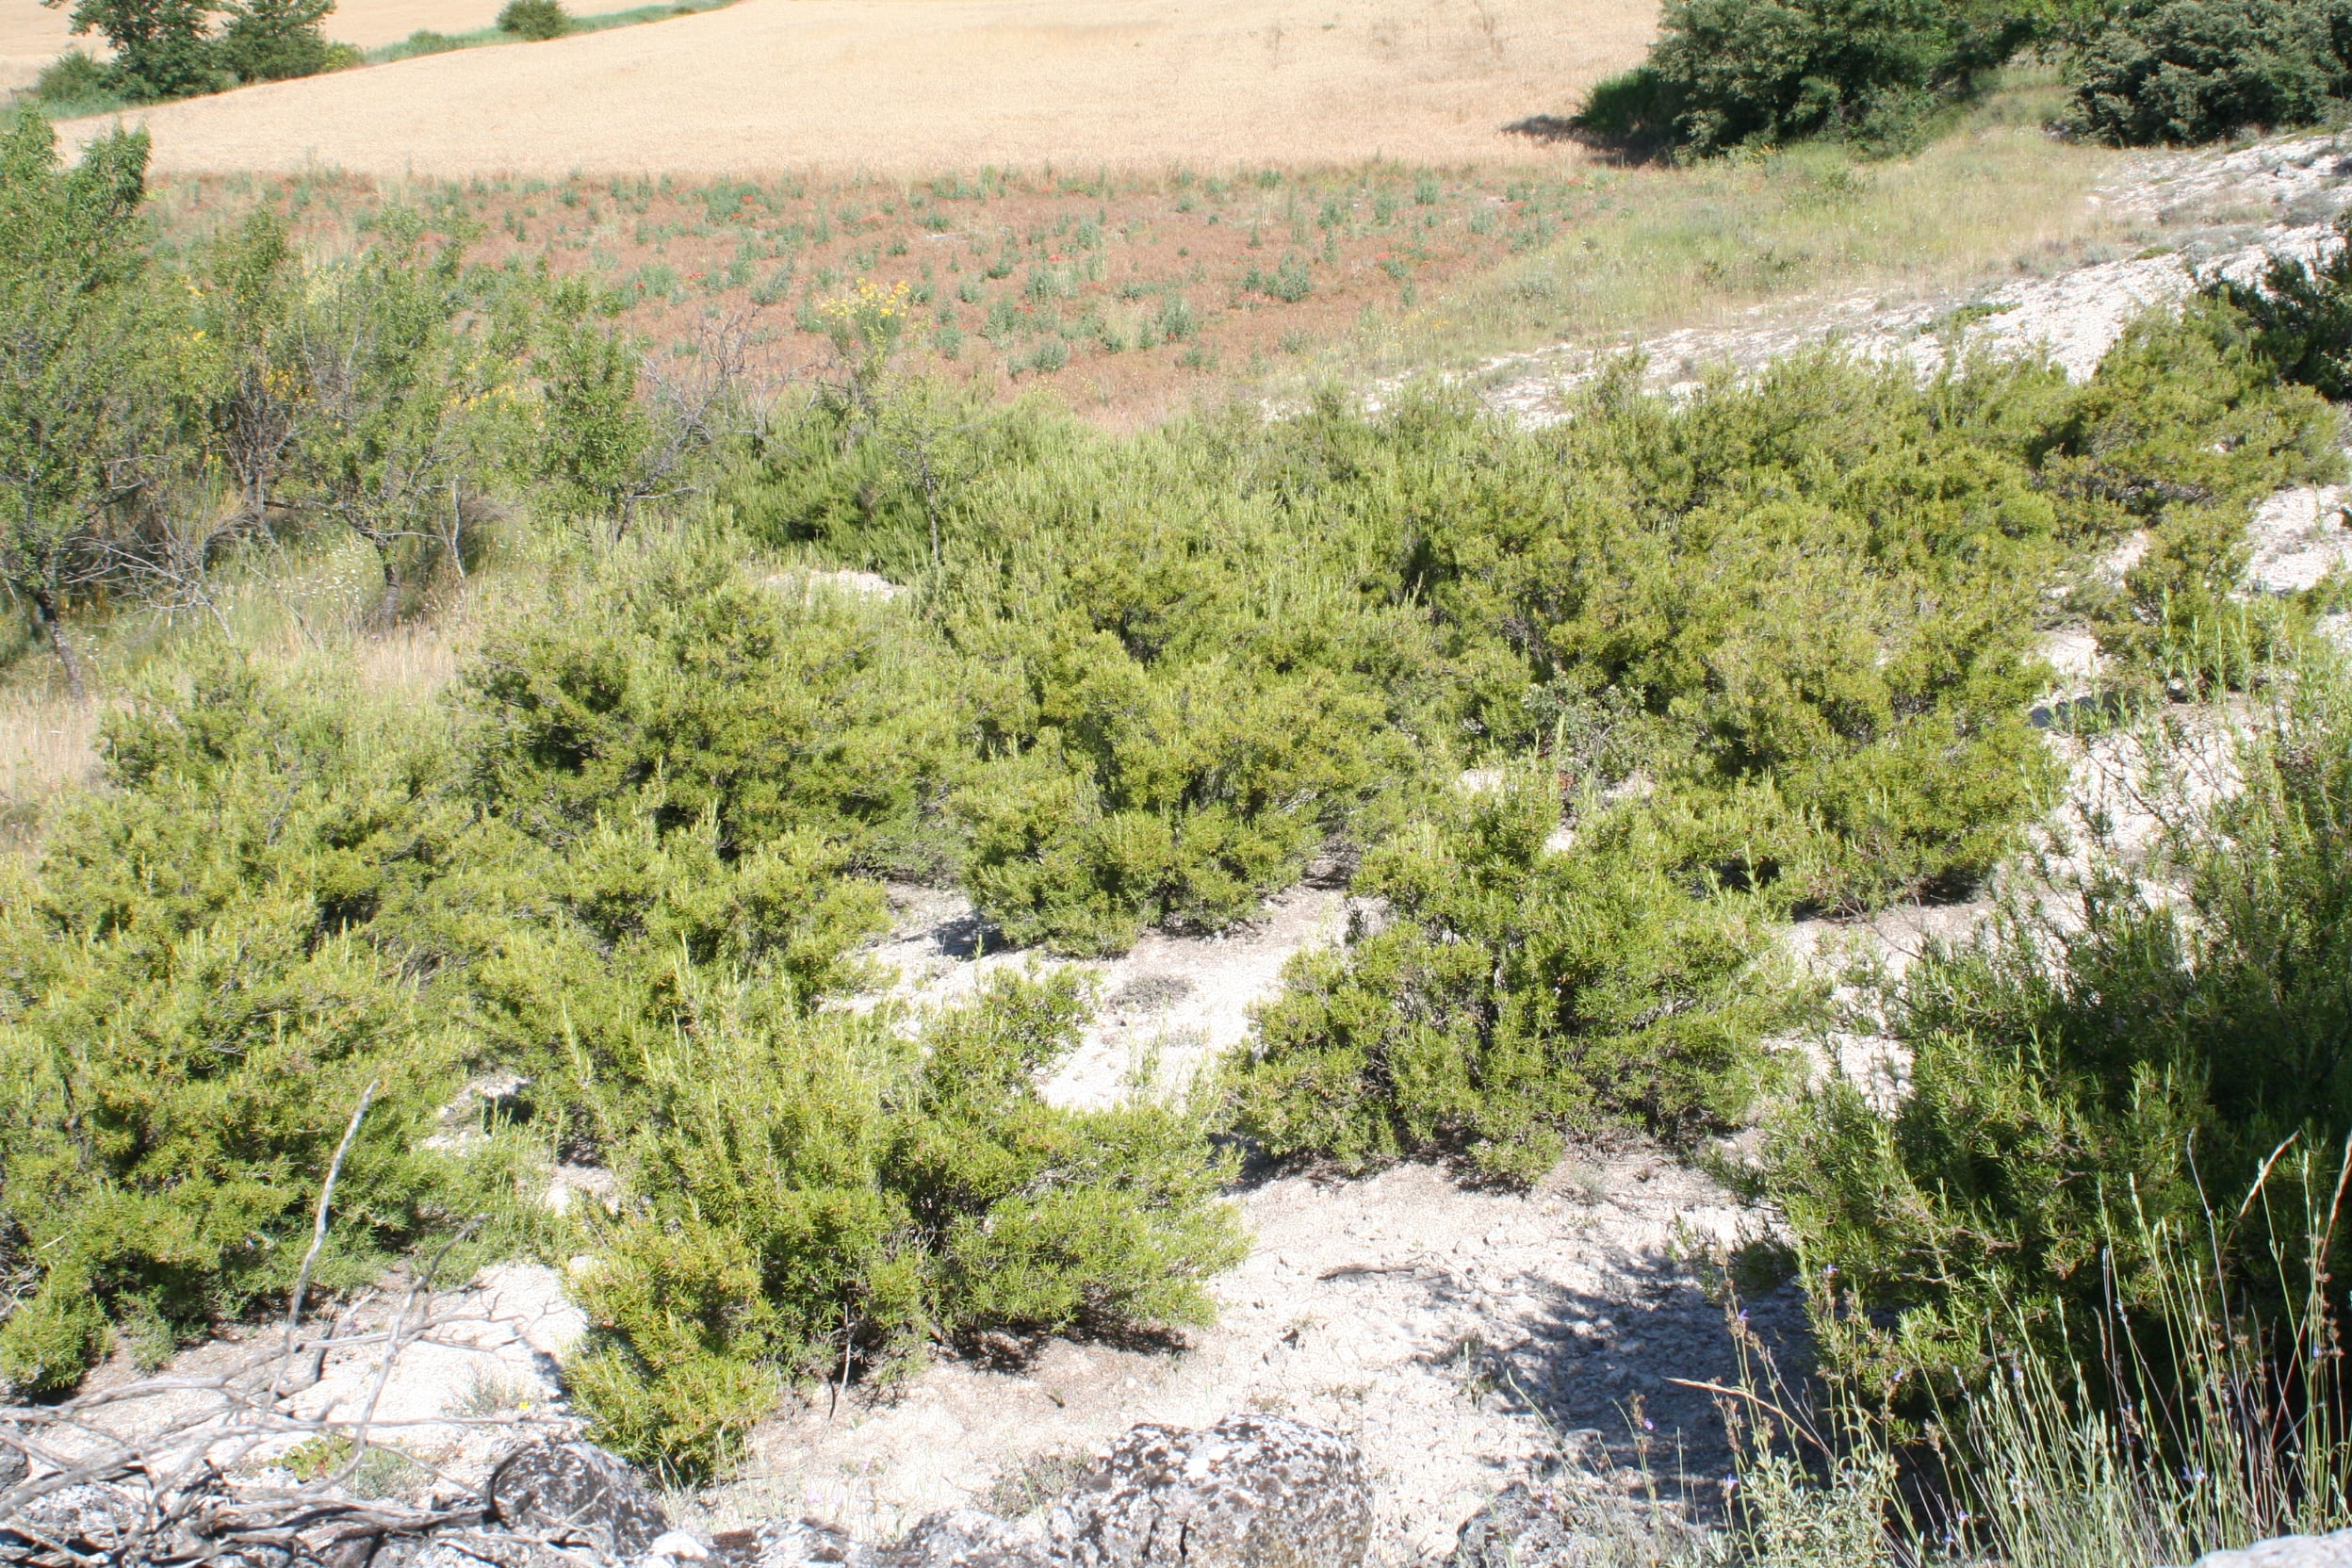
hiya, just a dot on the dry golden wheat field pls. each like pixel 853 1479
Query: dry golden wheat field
pixel 916 86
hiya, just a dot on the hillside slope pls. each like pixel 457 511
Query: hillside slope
pixel 906 86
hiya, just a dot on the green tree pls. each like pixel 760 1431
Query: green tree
pixel 595 440
pixel 2187 71
pixel 78 374
pixel 1727 72
pixel 403 381
pixel 251 290
pixel 271 41
pixel 162 48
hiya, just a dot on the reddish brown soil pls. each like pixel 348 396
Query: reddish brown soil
pixel 1129 298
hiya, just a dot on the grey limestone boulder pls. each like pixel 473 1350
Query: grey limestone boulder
pixel 2288 1551
pixel 14 1467
pixel 964 1538
pixel 1520 1529
pixel 579 1488
pixel 792 1543
pixel 1250 1492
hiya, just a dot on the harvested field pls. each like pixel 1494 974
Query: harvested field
pixel 914 86
pixel 30 36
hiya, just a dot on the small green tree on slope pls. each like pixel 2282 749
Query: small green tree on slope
pixel 75 377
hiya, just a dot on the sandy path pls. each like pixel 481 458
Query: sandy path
pixel 913 85
pixel 32 35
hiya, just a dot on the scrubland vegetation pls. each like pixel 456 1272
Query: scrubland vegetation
pixel 1593 710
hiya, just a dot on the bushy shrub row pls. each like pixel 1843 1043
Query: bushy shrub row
pixel 182 48
pixel 1767 648
pixel 1729 74
pixel 2189 70
pixel 1504 1007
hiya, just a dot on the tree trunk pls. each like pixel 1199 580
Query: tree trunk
pixel 45 612
pixel 387 612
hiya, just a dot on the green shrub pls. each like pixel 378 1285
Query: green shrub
pixel 187 1015
pixel 73 78
pixel 880 1192
pixel 680 687
pixel 2190 71
pixel 273 41
pixel 2186 428
pixel 2075 1081
pixel 535 20
pixel 50 1341
pixel 2301 313
pixel 1519 994
pixel 1733 73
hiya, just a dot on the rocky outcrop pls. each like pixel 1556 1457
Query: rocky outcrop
pixel 576 1489
pixel 1250 1492
pixel 1571 1526
pixel 965 1538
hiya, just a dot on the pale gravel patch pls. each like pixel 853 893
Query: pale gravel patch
pixel 2299 538
pixel 482 1371
pixel 1457 1335
pixel 1163 1011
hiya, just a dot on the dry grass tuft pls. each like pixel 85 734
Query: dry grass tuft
pixel 1669 248
pixel 48 745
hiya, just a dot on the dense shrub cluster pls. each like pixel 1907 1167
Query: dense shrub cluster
pixel 1775 645
pixel 2076 1090
pixel 1590 708
pixel 877 1193
pixel 289 894
pixel 188 1020
pixel 2186 71
pixel 1729 74
pixel 1519 993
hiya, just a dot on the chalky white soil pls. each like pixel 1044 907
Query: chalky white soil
pixel 2228 212
pixel 1463 1338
